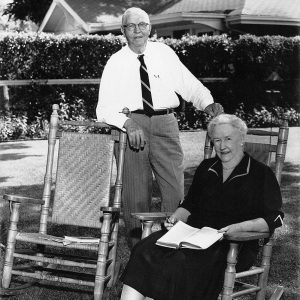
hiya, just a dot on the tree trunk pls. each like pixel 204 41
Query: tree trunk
pixel 4 100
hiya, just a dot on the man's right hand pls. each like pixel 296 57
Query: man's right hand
pixel 135 134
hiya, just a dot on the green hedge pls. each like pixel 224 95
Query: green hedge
pixel 247 62
pixel 46 56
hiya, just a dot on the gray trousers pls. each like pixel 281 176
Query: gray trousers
pixel 161 155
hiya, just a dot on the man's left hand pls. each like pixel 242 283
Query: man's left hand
pixel 214 109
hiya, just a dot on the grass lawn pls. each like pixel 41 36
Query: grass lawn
pixel 22 171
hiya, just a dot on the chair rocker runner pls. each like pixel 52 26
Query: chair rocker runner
pixel 81 198
pixel 265 146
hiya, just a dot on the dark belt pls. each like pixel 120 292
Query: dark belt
pixel 155 112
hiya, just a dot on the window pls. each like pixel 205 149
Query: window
pixel 177 34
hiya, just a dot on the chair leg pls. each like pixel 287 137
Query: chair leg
pixel 11 244
pixel 113 267
pixel 230 272
pixel 147 228
pixel 263 277
pixel 277 293
pixel 102 256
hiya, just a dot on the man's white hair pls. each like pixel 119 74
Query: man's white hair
pixel 134 10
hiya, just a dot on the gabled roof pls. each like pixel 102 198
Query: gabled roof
pixel 271 8
pixel 95 11
pixel 105 15
pixel 268 12
pixel 209 6
pixel 104 11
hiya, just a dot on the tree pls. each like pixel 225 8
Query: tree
pixel 27 10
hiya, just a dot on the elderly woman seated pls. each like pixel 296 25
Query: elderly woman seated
pixel 231 192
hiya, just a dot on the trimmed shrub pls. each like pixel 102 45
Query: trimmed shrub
pixel 48 56
pixel 255 117
pixel 13 128
pixel 251 63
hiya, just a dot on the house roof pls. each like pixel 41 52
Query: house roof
pixel 94 11
pixel 274 8
pixel 203 6
pixel 95 15
pixel 268 12
pixel 107 11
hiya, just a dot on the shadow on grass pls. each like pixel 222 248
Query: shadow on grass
pixel 286 256
pixel 13 145
pixel 16 156
pixel 291 168
pixel 34 191
pixel 4 179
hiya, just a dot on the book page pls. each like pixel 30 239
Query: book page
pixel 186 236
pixel 176 234
pixel 203 238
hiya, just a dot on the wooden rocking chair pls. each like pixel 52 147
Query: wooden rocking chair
pixel 81 200
pixel 265 146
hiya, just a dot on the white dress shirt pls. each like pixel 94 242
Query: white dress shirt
pixel 120 84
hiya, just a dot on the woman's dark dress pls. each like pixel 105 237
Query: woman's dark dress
pixel 250 192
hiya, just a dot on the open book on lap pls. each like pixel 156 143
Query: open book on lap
pixel 182 235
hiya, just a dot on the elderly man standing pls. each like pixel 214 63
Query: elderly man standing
pixel 144 77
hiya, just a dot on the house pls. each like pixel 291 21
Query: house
pixel 174 18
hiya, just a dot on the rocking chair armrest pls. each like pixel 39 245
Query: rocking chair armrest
pixel 246 236
pixel 110 209
pixel 151 216
pixel 147 220
pixel 22 199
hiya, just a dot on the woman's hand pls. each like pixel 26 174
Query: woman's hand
pixel 231 228
pixel 258 225
pixel 171 221
pixel 181 214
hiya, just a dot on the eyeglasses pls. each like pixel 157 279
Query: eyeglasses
pixel 131 26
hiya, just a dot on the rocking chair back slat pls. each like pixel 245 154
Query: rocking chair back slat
pixel 78 198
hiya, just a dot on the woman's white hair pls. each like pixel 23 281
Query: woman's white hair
pixel 233 120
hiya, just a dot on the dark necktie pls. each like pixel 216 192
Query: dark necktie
pixel 146 92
